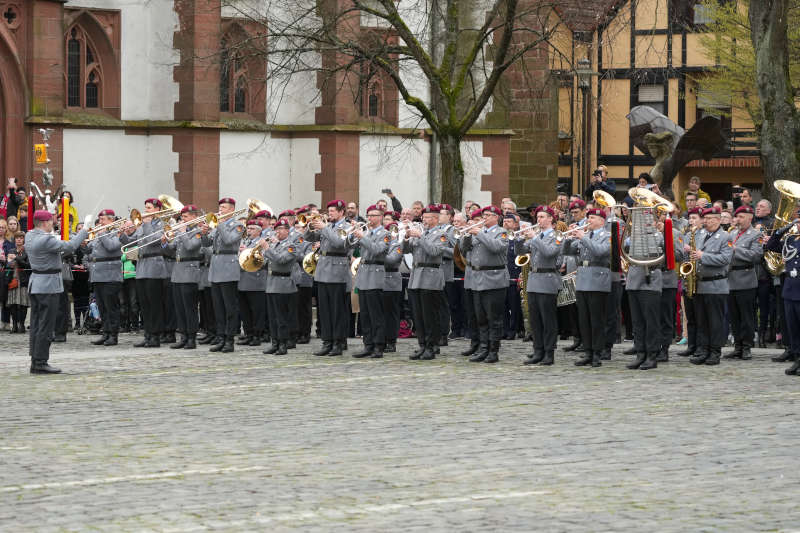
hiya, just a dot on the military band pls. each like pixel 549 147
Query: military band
pixel 234 270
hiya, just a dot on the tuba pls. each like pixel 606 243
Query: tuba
pixel 784 214
pixel 644 249
pixel 252 259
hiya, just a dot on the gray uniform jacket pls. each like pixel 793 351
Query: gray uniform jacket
pixel 544 248
pixel 447 257
pixel 394 279
pixel 300 276
pixel 748 248
pixel 224 241
pixel 105 260
pixel 371 273
pixel 488 251
pixel 594 260
pixel 468 273
pixel 334 263
pixel 427 251
pixel 253 281
pixel 150 264
pixel 714 264
pixel 669 278
pixel 281 256
pixel 205 252
pixel 645 279
pixel 188 257
pixel 44 254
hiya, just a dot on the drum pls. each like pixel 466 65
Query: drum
pixel 566 294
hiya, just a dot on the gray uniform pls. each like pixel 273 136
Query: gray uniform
pixel 253 281
pixel 427 280
pixel 748 250
pixel 150 264
pixel 712 288
pixel 224 241
pixel 188 257
pixel 393 281
pixel 371 273
pixel 543 284
pixel 280 287
pixel 334 264
pixel 105 260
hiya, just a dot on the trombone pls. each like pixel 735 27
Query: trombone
pixel 135 217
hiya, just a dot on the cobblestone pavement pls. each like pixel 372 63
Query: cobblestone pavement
pixel 130 440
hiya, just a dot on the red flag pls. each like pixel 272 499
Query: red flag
pixel 669 245
pixel 31 206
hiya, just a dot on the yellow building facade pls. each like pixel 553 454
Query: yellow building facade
pixel 646 52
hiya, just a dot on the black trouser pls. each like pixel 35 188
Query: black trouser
pixel 252 305
pixel 625 305
pixel 149 293
pixel 613 315
pixel 332 311
pixel 568 320
pixel 62 317
pixel 592 319
pixel 294 322
pixel 766 304
pixel 668 304
pixel 280 310
pixel 691 323
pixel 791 334
pixel 44 308
pixel 129 305
pixel 170 320
pixel 373 322
pixel 646 320
pixel 444 312
pixel 471 322
pixel 513 320
pixel 107 294
pixel 544 320
pixel 455 299
pixel 226 307
pixel 426 316
pixel 304 311
pixel 186 297
pixel 741 305
pixel 710 316
pixel 207 319
pixel 489 310
pixel 392 307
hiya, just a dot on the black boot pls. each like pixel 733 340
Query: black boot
pixel 272 349
pixel 630 351
pixel 735 354
pixel 180 344
pixel 154 341
pixel 255 340
pixel 474 344
pixel 283 348
pixel 365 352
pixel 481 354
pixel 535 358
pixel 640 357
pixel 208 338
pixel 792 370
pixel 303 339
pixel 325 349
pixel 96 342
pixel 746 354
pixel 219 342
pixel 191 342
pixel 168 337
pixel 688 352
pixel 391 347
pixel 227 347
pixel 699 357
pixel 605 355
pixel 650 362
pixel 44 368
pixel 713 356
pixel 596 359
pixel 142 343
pixel 417 353
pixel 575 345
pixel 494 352
pixel 112 340
pixel 586 359
pixel 428 353
pixel 782 358
pixel 663 355
pixel 549 358
pixel 244 339
pixel 337 348
pixel 291 344
pixel 378 353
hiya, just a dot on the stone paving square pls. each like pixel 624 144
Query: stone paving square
pixel 172 440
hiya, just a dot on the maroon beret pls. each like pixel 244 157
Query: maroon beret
pixel 577 204
pixel 191 208
pixel 338 204
pixel 493 210
pixel 283 222
pixel 227 200
pixel 597 212
pixel 286 213
pixel 107 213
pixel 446 207
pixel 695 211
pixel 374 208
pixel 42 215
pixel 712 211
pixel 546 209
pixel 302 209
pixel 389 226
pixel 253 222
pixel 264 213
pixel 433 208
pixel 155 201
pixel 744 209
pixel 476 214
pixel 394 214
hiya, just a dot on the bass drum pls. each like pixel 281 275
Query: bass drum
pixel 566 294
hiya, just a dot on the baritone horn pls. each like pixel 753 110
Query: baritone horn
pixel 252 259
pixel 784 215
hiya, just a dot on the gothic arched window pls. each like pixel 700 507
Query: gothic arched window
pixel 232 80
pixel 84 74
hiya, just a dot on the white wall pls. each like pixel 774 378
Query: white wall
pixel 279 172
pixel 475 166
pixel 106 168
pixel 393 162
pixel 148 90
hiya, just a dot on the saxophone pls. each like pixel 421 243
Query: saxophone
pixel 688 269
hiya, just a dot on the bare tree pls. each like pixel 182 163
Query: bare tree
pixel 445 57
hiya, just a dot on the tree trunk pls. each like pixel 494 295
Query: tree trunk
pixel 452 170
pixel 768 29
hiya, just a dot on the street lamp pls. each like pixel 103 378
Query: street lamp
pixel 584 74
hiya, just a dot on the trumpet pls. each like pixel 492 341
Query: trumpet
pixel 349 232
pixel 304 220
pixel 135 217
pixel 522 231
pixel 460 232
